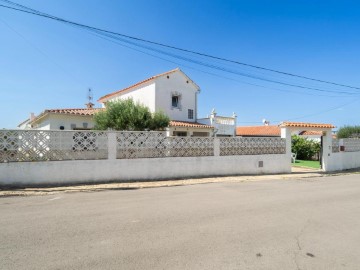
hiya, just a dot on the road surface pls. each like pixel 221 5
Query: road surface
pixel 310 223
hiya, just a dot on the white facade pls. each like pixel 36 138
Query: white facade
pixel 158 94
pixel 55 121
pixel 178 84
pixel 144 94
pixel 64 122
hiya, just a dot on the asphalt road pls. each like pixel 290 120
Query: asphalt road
pixel 311 223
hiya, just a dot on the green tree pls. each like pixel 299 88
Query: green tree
pixel 127 115
pixel 305 148
pixel 348 132
pixel 159 121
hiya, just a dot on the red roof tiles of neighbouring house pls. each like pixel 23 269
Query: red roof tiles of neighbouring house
pixel 310 132
pixel 306 125
pixel 188 124
pixel 104 98
pixel 81 111
pixel 258 131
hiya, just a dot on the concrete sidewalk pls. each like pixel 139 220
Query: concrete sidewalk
pixel 297 173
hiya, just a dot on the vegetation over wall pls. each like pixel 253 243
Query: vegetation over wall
pixel 348 132
pixel 306 149
pixel 127 115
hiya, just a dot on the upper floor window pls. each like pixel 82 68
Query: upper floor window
pixel 190 114
pixel 175 101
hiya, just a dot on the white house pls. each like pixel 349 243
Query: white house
pixel 172 92
pixel 62 119
pixel 175 94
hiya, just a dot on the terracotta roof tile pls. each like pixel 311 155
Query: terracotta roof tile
pixel 103 98
pixel 188 124
pixel 258 131
pixel 306 125
pixel 75 111
pixel 310 132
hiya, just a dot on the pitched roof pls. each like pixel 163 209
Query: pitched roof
pixel 258 131
pixel 104 98
pixel 73 111
pixel 306 125
pixel 76 111
pixel 188 124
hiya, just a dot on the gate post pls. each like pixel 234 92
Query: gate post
pixel 286 134
pixel 327 150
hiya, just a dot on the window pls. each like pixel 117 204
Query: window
pixel 73 126
pixel 180 133
pixel 175 101
pixel 85 125
pixel 200 134
pixel 190 114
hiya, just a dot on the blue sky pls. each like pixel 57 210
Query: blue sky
pixel 46 64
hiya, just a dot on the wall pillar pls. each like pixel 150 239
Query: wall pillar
pixel 112 145
pixel 286 134
pixel 327 150
pixel 216 147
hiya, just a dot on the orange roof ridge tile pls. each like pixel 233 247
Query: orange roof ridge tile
pixel 306 125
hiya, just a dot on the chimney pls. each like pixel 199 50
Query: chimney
pixel 32 116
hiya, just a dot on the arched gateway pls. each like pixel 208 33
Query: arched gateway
pixel 287 128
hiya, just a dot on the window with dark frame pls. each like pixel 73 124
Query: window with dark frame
pixel 175 101
pixel 190 114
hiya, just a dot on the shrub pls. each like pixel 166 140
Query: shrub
pixel 348 132
pixel 306 149
pixel 127 115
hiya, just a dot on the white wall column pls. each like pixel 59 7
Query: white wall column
pixel 216 147
pixel 327 149
pixel 112 145
pixel 286 134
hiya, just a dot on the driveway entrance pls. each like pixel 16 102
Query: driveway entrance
pixel 287 128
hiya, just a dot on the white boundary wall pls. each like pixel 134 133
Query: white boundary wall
pixel 343 161
pixel 88 171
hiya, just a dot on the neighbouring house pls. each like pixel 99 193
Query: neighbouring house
pixel 275 131
pixel 258 131
pixel 311 135
pixel 175 94
pixel 62 119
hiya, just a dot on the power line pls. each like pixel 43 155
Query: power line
pixel 226 69
pixel 211 73
pixel 101 35
pixel 108 34
pixel 38 13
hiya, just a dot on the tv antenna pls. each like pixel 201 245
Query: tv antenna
pixel 89 105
